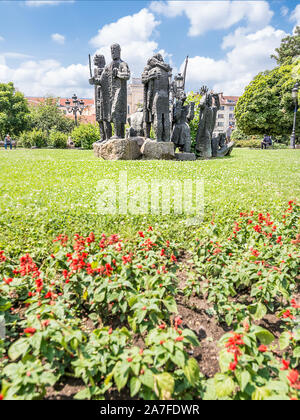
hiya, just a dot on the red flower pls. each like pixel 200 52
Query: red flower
pixel 287 314
pixel 232 366
pixel 110 331
pixel 1 397
pixel 262 348
pixel 7 281
pixel 129 359
pixel 285 365
pixel 161 342
pixel 294 304
pixel 144 308
pixel 141 234
pixel 29 331
pixel 180 338
pixel 173 258
pixel 293 378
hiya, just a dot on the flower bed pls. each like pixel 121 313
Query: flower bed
pixel 106 311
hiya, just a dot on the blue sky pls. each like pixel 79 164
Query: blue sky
pixel 44 45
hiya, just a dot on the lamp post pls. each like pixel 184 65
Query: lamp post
pixel 77 106
pixel 295 99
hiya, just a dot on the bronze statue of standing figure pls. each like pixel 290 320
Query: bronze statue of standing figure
pixel 102 103
pixel 209 106
pixel 113 85
pixel 156 79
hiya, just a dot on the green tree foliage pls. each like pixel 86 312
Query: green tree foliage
pixel 14 111
pixel 289 48
pixel 47 116
pixel 266 107
pixel 85 135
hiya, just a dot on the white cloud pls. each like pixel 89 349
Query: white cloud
pixel 1 38
pixel 284 11
pixel 47 77
pixel 249 54
pixel 58 38
pixel 39 3
pixel 295 16
pixel 211 15
pixel 134 34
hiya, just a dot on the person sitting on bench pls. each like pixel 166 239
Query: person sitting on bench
pixel 267 141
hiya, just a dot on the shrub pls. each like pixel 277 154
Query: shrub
pixel 58 140
pixel 253 143
pixel 85 135
pixel 25 140
pixel 34 138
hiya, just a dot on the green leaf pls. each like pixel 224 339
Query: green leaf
pixel 121 372
pixel 147 379
pixel 48 378
pixel 225 359
pixel 258 311
pixel 84 394
pixel 18 348
pixel 135 385
pixel 165 383
pixel 265 337
pixel 296 352
pixel 170 304
pixel 284 340
pixel 224 385
pixel 192 371
pixel 178 358
pixel 245 379
pixel 261 394
pixel 191 337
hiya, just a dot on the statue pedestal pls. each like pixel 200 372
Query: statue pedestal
pixel 119 149
pixel 154 150
pixel 185 156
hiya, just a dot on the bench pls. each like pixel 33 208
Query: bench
pixel 14 144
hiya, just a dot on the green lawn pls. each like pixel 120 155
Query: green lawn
pixel 47 192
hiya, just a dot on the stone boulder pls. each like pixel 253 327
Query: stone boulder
pixel 119 149
pixel 184 156
pixel 153 150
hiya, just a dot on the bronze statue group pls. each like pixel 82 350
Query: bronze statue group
pixel 164 106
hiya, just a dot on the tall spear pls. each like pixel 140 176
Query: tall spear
pixel 184 72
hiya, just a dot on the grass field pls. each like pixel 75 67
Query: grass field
pixel 46 192
pixel 154 308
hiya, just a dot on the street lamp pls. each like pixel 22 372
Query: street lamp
pixel 77 106
pixel 295 99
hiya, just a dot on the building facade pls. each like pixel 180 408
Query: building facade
pixel 135 95
pixel 88 114
pixel 225 116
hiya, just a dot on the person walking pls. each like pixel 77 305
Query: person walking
pixel 228 134
pixel 7 142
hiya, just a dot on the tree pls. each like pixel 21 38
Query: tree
pixel 14 111
pixel 266 107
pixel 289 48
pixel 47 116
